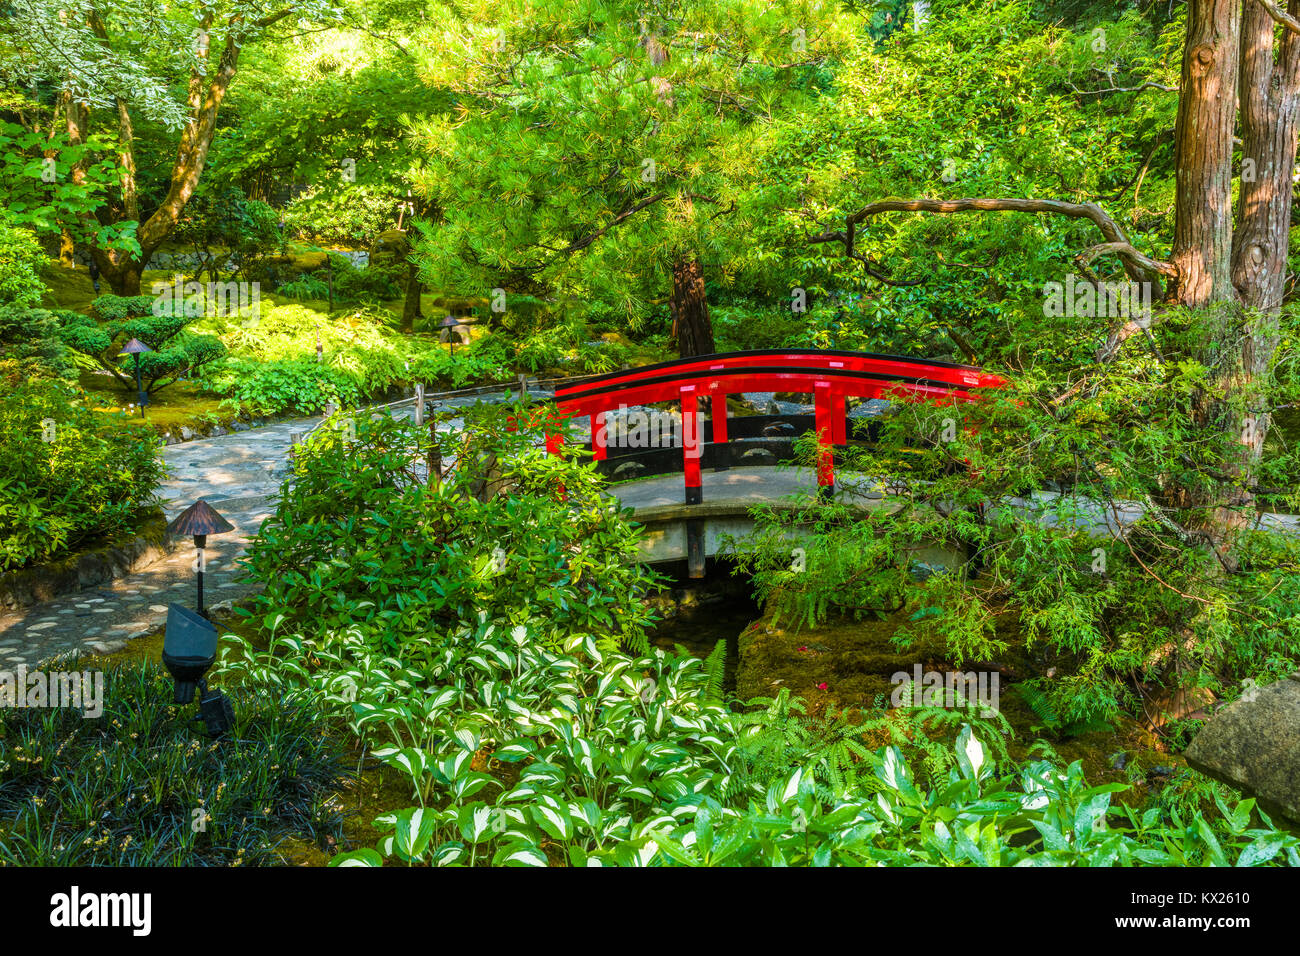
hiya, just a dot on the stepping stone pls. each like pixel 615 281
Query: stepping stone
pixel 41 627
pixel 105 610
pixel 158 608
pixel 94 600
pixel 68 610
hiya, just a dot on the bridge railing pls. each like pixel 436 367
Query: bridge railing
pixel 830 376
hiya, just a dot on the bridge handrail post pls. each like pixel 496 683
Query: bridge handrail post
pixel 824 400
pixel 599 437
pixel 691 444
pixel 718 419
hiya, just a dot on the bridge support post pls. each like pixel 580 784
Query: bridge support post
pixel 691 444
pixel 695 549
pixel 718 413
pixel 824 403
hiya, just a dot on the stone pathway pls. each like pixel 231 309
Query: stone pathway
pixel 239 474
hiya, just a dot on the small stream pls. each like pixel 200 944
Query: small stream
pixel 697 614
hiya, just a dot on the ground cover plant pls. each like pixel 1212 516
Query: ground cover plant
pixel 140 784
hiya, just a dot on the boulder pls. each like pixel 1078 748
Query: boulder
pixel 1254 744
pixel 758 456
pixel 628 470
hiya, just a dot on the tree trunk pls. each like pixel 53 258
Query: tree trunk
pixel 411 305
pixel 692 330
pixel 1207 105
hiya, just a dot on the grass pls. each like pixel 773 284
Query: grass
pixel 168 410
pixel 141 786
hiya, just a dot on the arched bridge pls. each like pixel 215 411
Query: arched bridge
pixel 830 376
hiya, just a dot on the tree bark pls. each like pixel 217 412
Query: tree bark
pixel 692 330
pixel 205 96
pixel 1207 103
pixel 411 304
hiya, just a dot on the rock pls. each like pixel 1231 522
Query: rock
pixel 871 408
pixel 187 433
pixel 792 408
pixel 778 430
pixel 1254 744
pixel 217 432
pixel 221 607
pixel 758 456
pixel 628 470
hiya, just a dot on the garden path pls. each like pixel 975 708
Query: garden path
pixel 239 475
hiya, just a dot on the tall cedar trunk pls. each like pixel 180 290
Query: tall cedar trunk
pixel 692 329
pixel 1269 95
pixel 1202 251
pixel 1203 153
pixel 411 305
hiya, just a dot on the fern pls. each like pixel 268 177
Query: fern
pixel 715 667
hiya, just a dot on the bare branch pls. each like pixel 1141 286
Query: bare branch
pixel 1137 265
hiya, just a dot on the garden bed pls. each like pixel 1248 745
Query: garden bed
pixel 89 567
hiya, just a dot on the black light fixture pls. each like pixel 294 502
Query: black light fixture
pixel 189 651
pixel 200 520
pixel 450 332
pixel 136 348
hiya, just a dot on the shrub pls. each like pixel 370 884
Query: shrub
pixel 356 285
pixel 430 554
pixel 174 349
pixel 271 387
pixel 21 261
pixel 30 345
pixel 122 789
pixel 67 473
pixel 114 308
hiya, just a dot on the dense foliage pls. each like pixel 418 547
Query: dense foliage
pixel 366 534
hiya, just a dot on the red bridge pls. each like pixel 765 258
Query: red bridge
pixel 830 376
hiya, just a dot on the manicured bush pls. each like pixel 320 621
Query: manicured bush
pixel 114 308
pixel 175 350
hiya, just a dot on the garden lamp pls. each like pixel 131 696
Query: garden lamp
pixel 135 348
pixel 450 333
pixel 200 520
pixel 189 650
